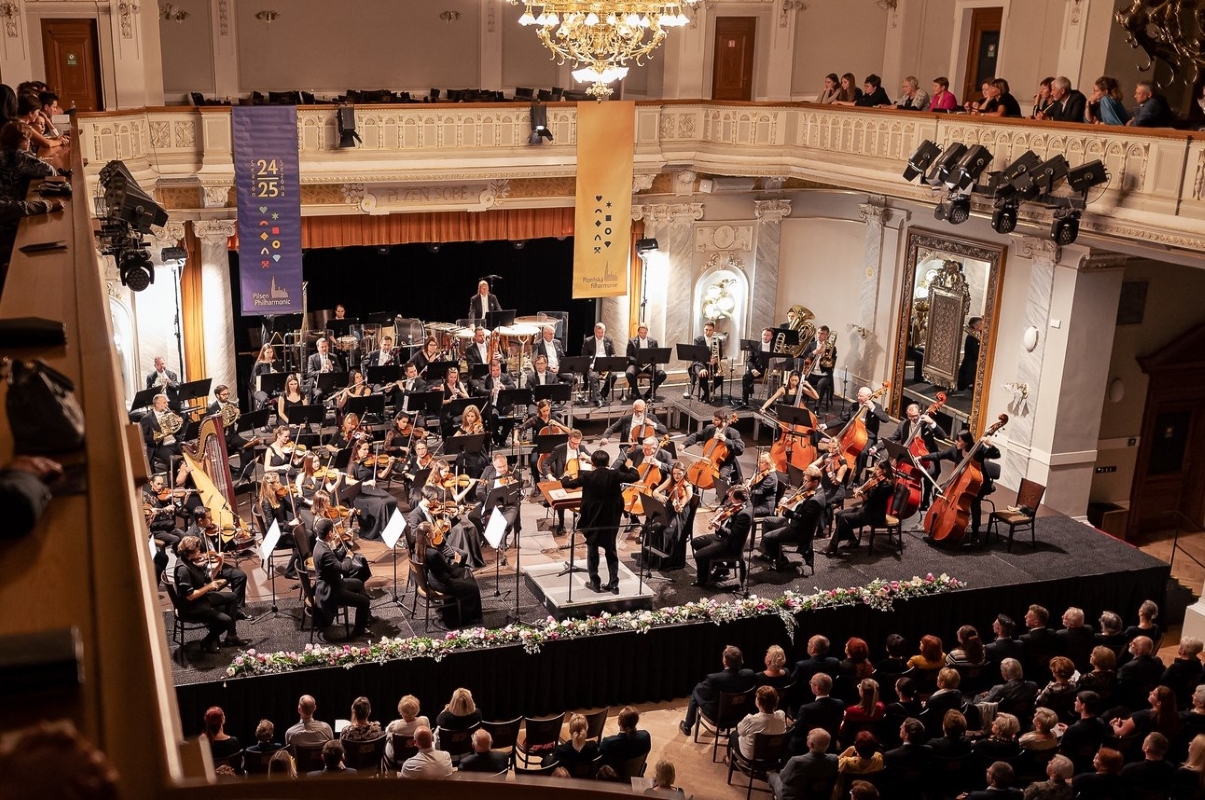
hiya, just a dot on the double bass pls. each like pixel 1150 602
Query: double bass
pixel 794 444
pixel 908 473
pixel 703 472
pixel 853 436
pixel 950 513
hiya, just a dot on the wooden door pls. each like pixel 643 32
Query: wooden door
pixel 732 70
pixel 983 51
pixel 70 49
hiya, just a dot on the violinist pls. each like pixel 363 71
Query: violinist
pixel 569 458
pixel 834 474
pixel 678 496
pixel 720 429
pixel 444 481
pixel 459 542
pixel 801 512
pixel 351 432
pixel 206 596
pixel 289 399
pixel 500 418
pixel 375 505
pixel 265 364
pixel 470 425
pixel 450 578
pixel 419 460
pixel 278 457
pixel 984 454
pixel 602 505
pixel 313 478
pixel 872 416
pixel 634 426
pixel 276 505
pixel 497 475
pixel 729 537
pixel 763 487
pixel 160 510
pixel 222 406
pixel 451 389
pixel 207 533
pixel 402 435
pixel 637 367
pixel 320 508
pixel 916 425
pixel 756 365
pixel 876 493
pixel 336 585
pixel 707 374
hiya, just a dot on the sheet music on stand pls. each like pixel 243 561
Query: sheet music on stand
pixel 495 530
pixel 394 530
pixel 269 543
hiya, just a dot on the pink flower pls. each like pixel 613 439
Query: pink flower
pixel 251 652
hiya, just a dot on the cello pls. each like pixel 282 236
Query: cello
pixel 950 513
pixel 650 479
pixel 908 473
pixel 853 436
pixel 794 443
pixel 703 472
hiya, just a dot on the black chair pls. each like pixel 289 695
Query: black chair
pixel 403 747
pixel 457 744
pixel 540 738
pixel 954 775
pixel 1063 704
pixel 505 735
pixel 311 605
pixel 892 528
pixel 1029 497
pixel 768 749
pixel 182 620
pixel 430 597
pixel 255 762
pixel 586 769
pixel 632 768
pixel 308 757
pixel 234 761
pixel 972 678
pixel 730 710
pixel 366 754
pixel 595 722
pixel 1030 766
pixel 926 680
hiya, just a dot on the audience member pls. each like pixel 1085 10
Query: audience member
pixel 663 779
pixel 850 93
pixel 1184 673
pixel 1192 724
pixel 802 772
pixel 1015 691
pixel 706 695
pixel 1042 737
pixel 1161 717
pixel 308 730
pixel 943 99
pixel 897 657
pixel 1082 738
pixel 460 714
pixel 607 773
pixel 17 164
pixel 946 697
pixel 866 711
pixel 832 89
pixel 774 674
pixel 1110 634
pixel 768 718
pixel 1152 110
pixel 970 650
pixel 560 772
pixel 863 757
pixel 908 703
pixel 1104 782
pixel 856 664
pixel 221 744
pixel 912 97
pixel 1058 786
pixel 265 733
pixel 1001 745
pixel 912 756
pixel 1103 677
pixel 1059 694
pixel 224 773
pixel 332 761
pixel 483 759
pixel 1147 626
pixel 930 657
pixel 1067 104
pixel 629 743
pixel 818 660
pixel 1189 780
pixel 862 790
pixel 405 727
pixel 823 712
pixel 1139 674
pixel 1000 777
pixel 361 728
pixel 1075 638
pixel 873 93
pixel 953 742
pixel 1152 774
pixel 428 763
pixel 282 765
pixel 1106 104
pixel 998 101
pixel 1042 99
pixel 576 754
pixel 1040 643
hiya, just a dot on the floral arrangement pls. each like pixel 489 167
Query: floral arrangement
pixel 878 594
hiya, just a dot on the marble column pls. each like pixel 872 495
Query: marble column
pixel 860 350
pixel 766 264
pixel 675 235
pixel 1043 255
pixel 217 309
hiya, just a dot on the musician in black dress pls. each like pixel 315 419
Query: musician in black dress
pixel 291 398
pixel 763 487
pixel 757 363
pixel 986 453
pixel 598 346
pixel 707 374
pixel 678 496
pixel 265 364
pixel 970 354
pixel 834 475
pixel 204 595
pixel 451 389
pixel 277 504
pixel 729 538
pixel 422 358
pixel 336 587
pixel 483 302
pixel 637 366
pixel 602 506
pixel 461 543
pixel 803 512
pixel 872 415
pixel 720 429
pixel 278 457
pixel 449 578
pixel 375 505
pixel 499 418
pixel 876 493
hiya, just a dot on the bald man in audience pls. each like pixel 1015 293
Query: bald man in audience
pixel 308 730
pixel 428 763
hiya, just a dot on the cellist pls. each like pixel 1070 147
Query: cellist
pixel 917 426
pixel 720 429
pixel 872 416
pixel 633 427
pixel 986 452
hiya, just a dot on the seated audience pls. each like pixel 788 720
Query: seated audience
pixel 897 657
pixel 953 742
pixel 410 721
pixel 308 730
pixel 908 703
pixel 1192 724
pixel 1059 694
pixel 608 774
pixel 1110 634
pixel 774 674
pixel 1148 612
pixel 361 728
pixel 1104 781
pixel 1015 691
pixel 706 695
pixel 831 91
pixel 823 712
pixel 1153 773
pixel 1058 786
pixel 221 744
pixel 818 660
pixel 265 732
pixel 768 718
pixel 905 761
pixel 912 97
pixel 663 780
pixel 1136 676
pixel 1004 645
pixel 1184 673
pixel 1067 104
pixel 849 93
pixel 1042 737
pixel 863 757
pixel 946 697
pixel 483 759
pixel 1001 745
pixel 1082 738
pixel 1106 104
pixel 1161 717
pixel 804 771
pixel 428 763
pixel 1189 781
pixel 862 790
pixel 856 664
pixel 866 711
pixel 970 650
pixel 460 714
pixel 1152 110
pixel 943 99
pixel 1103 677
pixel 873 93
pixel 282 765
pixel 17 164
pixel 1042 99
pixel 629 743
pixel 332 761
pixel 1000 777
pixel 930 657
pixel 576 754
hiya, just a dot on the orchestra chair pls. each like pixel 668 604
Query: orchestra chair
pixel 311 604
pixel 182 620
pixel 540 738
pixel 766 757
pixel 307 756
pixel 505 735
pixel 365 755
pixel 731 710
pixel 1029 497
pixel 891 528
pixel 430 597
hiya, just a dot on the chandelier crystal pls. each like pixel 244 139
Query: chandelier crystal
pixel 600 37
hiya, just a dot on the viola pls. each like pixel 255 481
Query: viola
pixel 908 473
pixel 853 436
pixel 703 472
pixel 950 513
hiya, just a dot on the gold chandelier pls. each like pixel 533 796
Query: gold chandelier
pixel 601 36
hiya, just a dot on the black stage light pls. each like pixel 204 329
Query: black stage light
pixel 539 124
pixel 958 209
pixel 919 161
pixel 939 211
pixel 645 245
pixel 1004 218
pixel 1042 179
pixel 1085 176
pixel 1065 228
pixel 969 168
pixel 943 166
pixel 346 119
pixel 136 269
pixel 124 200
pixel 1000 184
pixel 115 168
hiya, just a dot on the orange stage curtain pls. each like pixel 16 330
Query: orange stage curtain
pixel 191 298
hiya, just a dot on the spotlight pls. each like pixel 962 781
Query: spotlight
pixel 969 168
pixel 939 211
pixel 919 161
pixel 433 247
pixel 346 120
pixel 646 245
pixel 136 269
pixel 958 209
pixel 124 200
pixel 384 250
pixel 539 124
pixel 518 244
pixel 1001 184
pixel 1085 176
pixel 1042 179
pixel 1004 218
pixel 944 165
pixel 173 256
pixel 1065 228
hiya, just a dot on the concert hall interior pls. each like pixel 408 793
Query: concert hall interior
pixel 489 384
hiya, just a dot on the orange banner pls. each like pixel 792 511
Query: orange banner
pixel 603 220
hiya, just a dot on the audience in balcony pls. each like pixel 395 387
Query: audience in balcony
pixel 428 763
pixel 942 99
pixel 1067 104
pixel 873 93
pixel 308 730
pixel 1152 110
pixel 912 97
pixel 850 93
pixel 1042 99
pixel 997 101
pixel 221 744
pixel 832 89
pixel 361 728
pixel 483 758
pixel 29 111
pixel 1106 104
pixel 802 771
pixel 18 166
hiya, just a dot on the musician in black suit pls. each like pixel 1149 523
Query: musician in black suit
pixel 335 586
pixel 322 361
pixel 756 364
pixel 630 422
pixel 638 367
pixel 706 694
pixel 650 451
pixel 916 425
pixel 234 442
pixel 557 463
pixel 496 475
pixel 482 302
pixel 872 511
pixel 707 374
pixel 554 353
pixel 385 356
pixel 161 447
pixel 824 359
pixel 541 375
pixel 597 346
pixel 719 427
pixel 163 379
pixel 500 419
pixel 802 515
pixel 872 416
pixel 970 354
pixel 205 596
pixel 450 578
pixel 399 391
pixel 728 539
pixel 478 350
pixel 602 505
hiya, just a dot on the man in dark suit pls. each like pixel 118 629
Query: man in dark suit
pixel 818 660
pixel 757 362
pixel 706 694
pixel 541 375
pixel 905 762
pixel 625 425
pixel 383 356
pixel 1083 738
pixel 706 373
pixel 823 712
pixel 482 302
pixel 334 588
pixel 917 426
pixel 1139 675
pixel 550 347
pixel 1152 110
pixel 163 379
pixel 499 418
pixel 872 511
pixel 719 428
pixel 1015 691
pixel 1040 642
pixel 1076 639
pixel 321 361
pixel 1004 645
pixel 728 540
pixel 802 773
pixel 602 506
pixel 399 391
pixel 598 346
pixel 616 751
pixel 638 367
pixel 1000 777
pixel 1153 774
pixel 161 446
pixel 478 350
pixel 801 520
pixel 496 475
pixel 872 416
pixel 483 759
pixel 557 463
pixel 1069 104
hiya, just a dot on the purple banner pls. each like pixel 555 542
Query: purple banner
pixel 268 190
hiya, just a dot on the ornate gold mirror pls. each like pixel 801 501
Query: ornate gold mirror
pixel 946 324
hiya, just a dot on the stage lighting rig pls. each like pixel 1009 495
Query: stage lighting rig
pixel 942 167
pixel 920 161
pixel 1041 180
pixel 970 166
pixel 539 124
pixel 1004 218
pixel 1065 228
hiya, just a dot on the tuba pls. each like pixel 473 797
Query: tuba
pixel 230 414
pixel 169 425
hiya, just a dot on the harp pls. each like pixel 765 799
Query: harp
pixel 211 473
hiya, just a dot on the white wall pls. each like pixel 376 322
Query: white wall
pixel 830 36
pixel 188 52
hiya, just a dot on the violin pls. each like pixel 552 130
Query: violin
pixel 282 491
pixel 458 481
pixel 728 513
pixel 677 496
pixel 870 484
pixel 377 461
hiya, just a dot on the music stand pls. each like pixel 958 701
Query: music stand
pixel 654 512
pixel 266 549
pixel 750 345
pixel 553 392
pixel 424 402
pixel 341 327
pixel 194 390
pixel 790 338
pixel 478 371
pixel 379 376
pixel 498 319
pixel 793 415
pixel 472 443
pixel 381 317
pixel 253 419
pixel 272 383
pixel 436 371
pixel 578 366
pixel 144 399
pixel 794 476
pixel 616 365
pixel 369 404
pixel 693 352
pixel 307 415
pixel 505 494
pixel 328 381
pixel 390 536
pixel 508 398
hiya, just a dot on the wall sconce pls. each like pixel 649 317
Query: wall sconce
pixel 1116 390
pixel 858 329
pixel 9 10
pixel 173 13
pixel 449 16
pixel 1029 338
pixel 1020 390
pixel 267 17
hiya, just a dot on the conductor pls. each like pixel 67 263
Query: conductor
pixel 602 506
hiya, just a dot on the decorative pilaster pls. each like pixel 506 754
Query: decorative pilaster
pixel 225 49
pixel 1043 255
pixel 213 235
pixel 860 350
pixel 766 266
pixel 490 36
pixel 672 225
